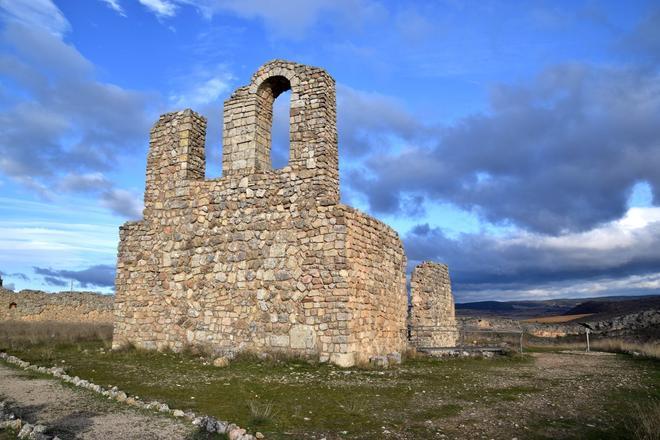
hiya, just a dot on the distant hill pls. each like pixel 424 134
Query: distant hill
pixel 615 305
pixel 486 305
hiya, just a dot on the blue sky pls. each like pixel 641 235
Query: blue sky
pixel 517 141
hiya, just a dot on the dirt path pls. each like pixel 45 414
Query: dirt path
pixel 77 414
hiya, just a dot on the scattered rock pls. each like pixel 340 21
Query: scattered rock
pixel 379 361
pixel 221 362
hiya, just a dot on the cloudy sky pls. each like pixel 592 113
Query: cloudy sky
pixel 517 141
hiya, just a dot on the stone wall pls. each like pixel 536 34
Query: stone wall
pixel 33 305
pixel 259 259
pixel 432 316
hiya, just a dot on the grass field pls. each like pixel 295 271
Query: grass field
pixel 531 396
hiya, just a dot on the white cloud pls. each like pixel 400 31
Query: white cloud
pixel 36 13
pixel 39 242
pixel 290 18
pixel 162 8
pixel 61 126
pixel 204 91
pixel 115 6
pixel 88 182
pixel 628 232
pixel 648 284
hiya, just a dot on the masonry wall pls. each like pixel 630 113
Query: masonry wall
pixel 378 299
pixel 259 259
pixel 32 305
pixel 432 315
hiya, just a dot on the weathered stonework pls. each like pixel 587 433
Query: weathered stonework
pixel 432 317
pixel 259 259
pixel 33 305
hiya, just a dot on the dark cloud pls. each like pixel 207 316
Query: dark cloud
pixel 52 281
pixel 560 153
pixel 123 203
pixel 94 276
pixel 523 261
pixel 18 275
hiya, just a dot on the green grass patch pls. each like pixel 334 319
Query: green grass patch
pixel 275 397
pixel 512 392
pixel 291 398
pixel 439 412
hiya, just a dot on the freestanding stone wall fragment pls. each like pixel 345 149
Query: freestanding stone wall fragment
pixel 259 259
pixel 432 317
pixel 34 305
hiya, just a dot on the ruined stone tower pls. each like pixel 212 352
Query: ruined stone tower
pixel 432 317
pixel 260 259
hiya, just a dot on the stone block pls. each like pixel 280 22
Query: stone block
pixel 302 337
pixel 345 360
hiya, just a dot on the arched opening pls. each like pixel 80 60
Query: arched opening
pixel 274 120
pixel 280 131
pixel 12 305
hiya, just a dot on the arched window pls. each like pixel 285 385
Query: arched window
pixel 280 132
pixel 12 305
pixel 273 134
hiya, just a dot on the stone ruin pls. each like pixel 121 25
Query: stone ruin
pixel 35 305
pixel 433 317
pixel 261 259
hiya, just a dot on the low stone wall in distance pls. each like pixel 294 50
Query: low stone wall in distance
pixel 35 305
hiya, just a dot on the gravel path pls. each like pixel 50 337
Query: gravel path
pixel 77 414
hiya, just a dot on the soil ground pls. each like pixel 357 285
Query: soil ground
pixel 543 395
pixel 557 319
pixel 73 413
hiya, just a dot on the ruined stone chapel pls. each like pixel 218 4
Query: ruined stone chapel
pixel 266 259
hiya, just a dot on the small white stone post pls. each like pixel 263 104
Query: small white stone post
pixel 587 340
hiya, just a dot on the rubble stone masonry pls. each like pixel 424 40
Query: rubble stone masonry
pixel 260 259
pixel 33 305
pixel 432 316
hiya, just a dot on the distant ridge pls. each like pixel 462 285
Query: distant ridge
pixel 562 306
pixel 486 305
pixel 602 306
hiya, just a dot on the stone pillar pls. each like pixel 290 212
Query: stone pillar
pixel 176 156
pixel 432 315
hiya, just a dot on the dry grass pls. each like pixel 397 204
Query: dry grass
pixel 648 349
pixel 645 424
pixel 19 333
pixel 260 412
pixel 557 319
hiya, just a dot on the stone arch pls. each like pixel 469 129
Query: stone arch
pixel 12 305
pixel 313 153
pixel 266 94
